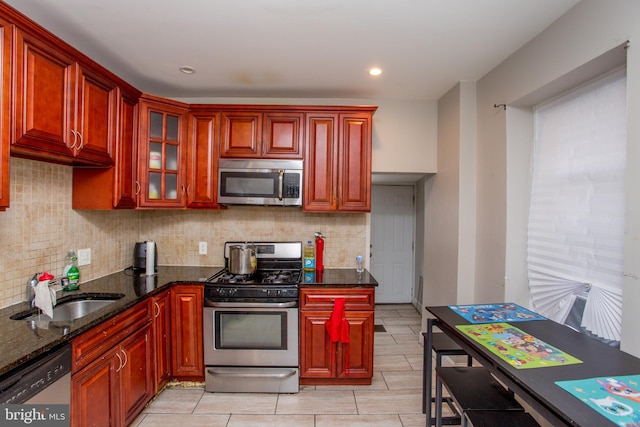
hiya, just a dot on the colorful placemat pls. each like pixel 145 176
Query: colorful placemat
pixel 516 347
pixel 617 398
pixel 490 313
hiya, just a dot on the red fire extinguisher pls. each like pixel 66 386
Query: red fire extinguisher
pixel 319 251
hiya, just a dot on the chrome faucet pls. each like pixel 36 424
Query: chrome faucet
pixel 31 290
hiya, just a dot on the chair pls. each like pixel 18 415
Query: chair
pixel 500 419
pixel 472 389
pixel 441 345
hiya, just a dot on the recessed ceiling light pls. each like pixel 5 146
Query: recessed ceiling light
pixel 375 71
pixel 187 69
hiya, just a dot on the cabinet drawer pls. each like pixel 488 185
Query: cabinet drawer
pixel 324 298
pixel 93 343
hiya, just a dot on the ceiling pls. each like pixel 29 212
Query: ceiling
pixel 296 48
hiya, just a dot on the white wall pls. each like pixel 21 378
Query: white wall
pixel 589 30
pixel 467 194
pixel 408 125
pixel 442 202
pixel 448 265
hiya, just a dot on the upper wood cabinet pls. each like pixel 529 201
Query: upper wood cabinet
pixel 118 185
pixel 338 162
pixel 260 134
pixel 125 177
pixel 61 111
pixel 202 163
pixel 162 153
pixel 5 75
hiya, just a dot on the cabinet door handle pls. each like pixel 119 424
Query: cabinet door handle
pixel 120 360
pixel 126 358
pixel 81 141
pixel 137 187
pixel 157 310
pixel 75 139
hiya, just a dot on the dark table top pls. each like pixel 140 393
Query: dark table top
pixel 599 360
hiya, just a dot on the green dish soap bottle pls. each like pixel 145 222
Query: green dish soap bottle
pixel 71 272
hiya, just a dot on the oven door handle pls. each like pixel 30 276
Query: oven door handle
pixel 251 304
pixel 252 374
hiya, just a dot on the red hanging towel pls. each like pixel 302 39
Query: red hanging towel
pixel 338 329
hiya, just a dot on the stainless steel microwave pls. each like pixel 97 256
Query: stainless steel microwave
pixel 260 182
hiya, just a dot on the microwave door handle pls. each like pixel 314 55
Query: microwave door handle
pixel 280 183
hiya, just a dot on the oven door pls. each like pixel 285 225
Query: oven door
pixel 251 335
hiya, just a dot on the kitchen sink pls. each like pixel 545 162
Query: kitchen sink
pixel 71 307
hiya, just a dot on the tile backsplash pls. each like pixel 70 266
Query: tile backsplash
pixel 40 227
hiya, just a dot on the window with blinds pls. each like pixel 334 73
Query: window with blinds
pixel 577 210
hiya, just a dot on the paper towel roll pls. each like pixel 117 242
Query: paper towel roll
pixel 150 282
pixel 151 257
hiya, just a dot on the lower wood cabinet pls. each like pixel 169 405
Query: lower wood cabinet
pixel 119 365
pixel 323 362
pixel 112 376
pixel 186 332
pixel 162 339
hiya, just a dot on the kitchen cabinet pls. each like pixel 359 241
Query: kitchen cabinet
pixel 323 362
pixel 62 111
pixel 118 185
pixel 112 370
pixel 338 162
pixel 162 339
pixel 202 166
pixel 162 153
pixel 187 355
pixel 5 87
pixel 262 134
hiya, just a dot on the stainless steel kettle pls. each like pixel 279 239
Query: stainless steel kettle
pixel 242 259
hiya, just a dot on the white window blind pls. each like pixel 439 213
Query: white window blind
pixel 577 209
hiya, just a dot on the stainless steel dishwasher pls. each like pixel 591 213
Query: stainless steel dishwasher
pixel 45 380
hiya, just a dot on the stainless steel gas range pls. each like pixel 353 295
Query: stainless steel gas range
pixel 251 323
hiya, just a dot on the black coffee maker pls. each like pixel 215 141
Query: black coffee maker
pixel 140 258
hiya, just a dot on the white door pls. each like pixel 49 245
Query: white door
pixel 392 235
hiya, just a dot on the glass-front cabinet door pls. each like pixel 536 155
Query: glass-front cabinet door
pixel 162 154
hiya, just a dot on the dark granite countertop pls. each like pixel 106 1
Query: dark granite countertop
pixel 339 277
pixel 21 341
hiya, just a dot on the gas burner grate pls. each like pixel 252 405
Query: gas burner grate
pixel 279 277
pixel 226 277
pixel 284 277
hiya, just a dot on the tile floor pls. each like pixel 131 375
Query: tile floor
pixel 392 400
